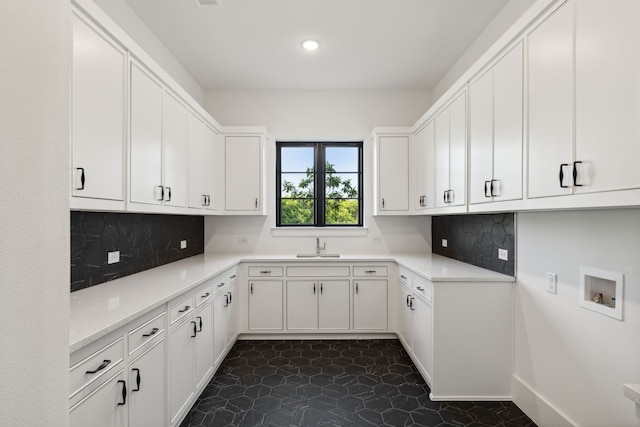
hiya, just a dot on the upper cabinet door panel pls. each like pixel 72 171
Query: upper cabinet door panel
pixel 175 151
pixel 393 173
pixel 98 117
pixel 197 164
pixel 146 138
pixel 458 151
pixel 481 137
pixel 550 95
pixel 507 117
pixel 243 173
pixel 442 156
pixel 607 94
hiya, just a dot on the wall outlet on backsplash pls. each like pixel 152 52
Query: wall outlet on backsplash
pixel 113 257
pixel 183 244
pixel 503 254
pixel 444 243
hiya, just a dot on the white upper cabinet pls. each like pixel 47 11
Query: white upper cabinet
pixel 550 95
pixel 422 168
pixel 205 156
pixel 243 174
pixel 145 177
pixel 98 119
pixel 495 128
pixel 175 131
pixel 607 91
pixel 451 154
pixel 392 163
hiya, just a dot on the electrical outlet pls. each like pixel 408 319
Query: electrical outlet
pixel 243 240
pixel 377 239
pixel 113 257
pixel 503 254
pixel 444 243
pixel 552 283
pixel 183 244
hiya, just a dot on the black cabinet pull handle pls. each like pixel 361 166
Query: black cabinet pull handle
pixel 168 189
pixel 370 271
pixel 204 200
pixel 137 380
pixel 402 276
pixel 232 277
pixel 411 304
pixel 205 295
pixel 161 192
pixel 252 288
pixel 494 192
pixel 420 288
pixel 256 203
pixel 81 179
pixel 486 193
pixel 199 320
pixel 321 288
pixel 124 392
pixel 561 175
pixel 195 329
pixel 383 203
pixel 575 174
pixel 356 287
pixel 226 300
pixel 153 332
pixel 407 303
pixel 230 298
pixel 186 308
pixel 449 196
pixel 314 288
pixel 265 271
pixel 104 364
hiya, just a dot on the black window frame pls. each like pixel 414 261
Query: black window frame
pixel 319 184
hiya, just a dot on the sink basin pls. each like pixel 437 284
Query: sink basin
pixel 318 256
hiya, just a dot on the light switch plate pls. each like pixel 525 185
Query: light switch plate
pixel 503 254
pixel 113 257
pixel 552 283
pixel 183 244
pixel 243 241
pixel 377 239
pixel 444 243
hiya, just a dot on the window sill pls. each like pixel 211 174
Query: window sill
pixel 319 231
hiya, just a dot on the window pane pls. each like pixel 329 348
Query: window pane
pixel 341 211
pixel 297 211
pixel 342 159
pixel 343 185
pixel 297 185
pixel 296 159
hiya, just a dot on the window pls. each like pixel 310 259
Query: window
pixel 319 184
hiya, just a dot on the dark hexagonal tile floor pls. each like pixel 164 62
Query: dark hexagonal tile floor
pixel 333 383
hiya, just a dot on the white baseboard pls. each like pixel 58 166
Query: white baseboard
pixel 437 398
pixel 541 411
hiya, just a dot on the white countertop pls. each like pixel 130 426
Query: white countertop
pixel 99 310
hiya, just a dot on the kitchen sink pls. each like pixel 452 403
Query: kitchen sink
pixel 318 256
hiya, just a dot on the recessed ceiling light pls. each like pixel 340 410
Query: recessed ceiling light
pixel 310 45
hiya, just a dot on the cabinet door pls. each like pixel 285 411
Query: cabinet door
pixel 458 151
pixel 550 109
pixel 442 157
pixel 405 316
pixel 423 334
pixel 100 408
pixel 370 304
pixel 214 178
pixel 481 138
pixel 607 95
pixel 507 117
pixel 197 162
pixel 232 317
pixel 393 173
pixel 98 113
pixel 220 309
pixel 302 304
pixel 423 168
pixel 265 305
pixel 145 138
pixel 333 305
pixel 181 369
pixel 147 389
pixel 175 131
pixel 243 160
pixel 204 344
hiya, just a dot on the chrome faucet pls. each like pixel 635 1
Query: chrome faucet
pixel 319 248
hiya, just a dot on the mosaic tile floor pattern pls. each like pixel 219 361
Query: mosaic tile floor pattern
pixel 332 383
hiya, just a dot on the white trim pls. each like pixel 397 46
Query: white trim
pixel 319 231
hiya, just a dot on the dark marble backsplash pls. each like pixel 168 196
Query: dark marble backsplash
pixel 145 241
pixel 475 239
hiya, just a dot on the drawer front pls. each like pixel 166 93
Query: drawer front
pixel 182 308
pixel 318 271
pixel 204 294
pixel 145 333
pixel 405 276
pixel 370 271
pixel 233 276
pixel 92 368
pixel 269 271
pixel 423 287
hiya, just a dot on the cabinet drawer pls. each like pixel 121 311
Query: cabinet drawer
pixel 145 333
pixel 270 271
pixel 423 287
pixel 318 271
pixel 404 276
pixel 182 308
pixel 370 271
pixel 95 366
pixel 204 294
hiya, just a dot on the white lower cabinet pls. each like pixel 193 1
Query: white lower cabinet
pixel 147 388
pixel 265 305
pixel 369 304
pixel 181 377
pixel 318 305
pixel 204 344
pixel 225 323
pixel 102 407
pixel 422 337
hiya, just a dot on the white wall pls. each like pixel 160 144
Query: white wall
pixel 35 46
pixel 324 116
pixel 128 20
pixel 568 357
pixel 509 14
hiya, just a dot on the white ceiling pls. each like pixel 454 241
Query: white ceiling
pixel 365 44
